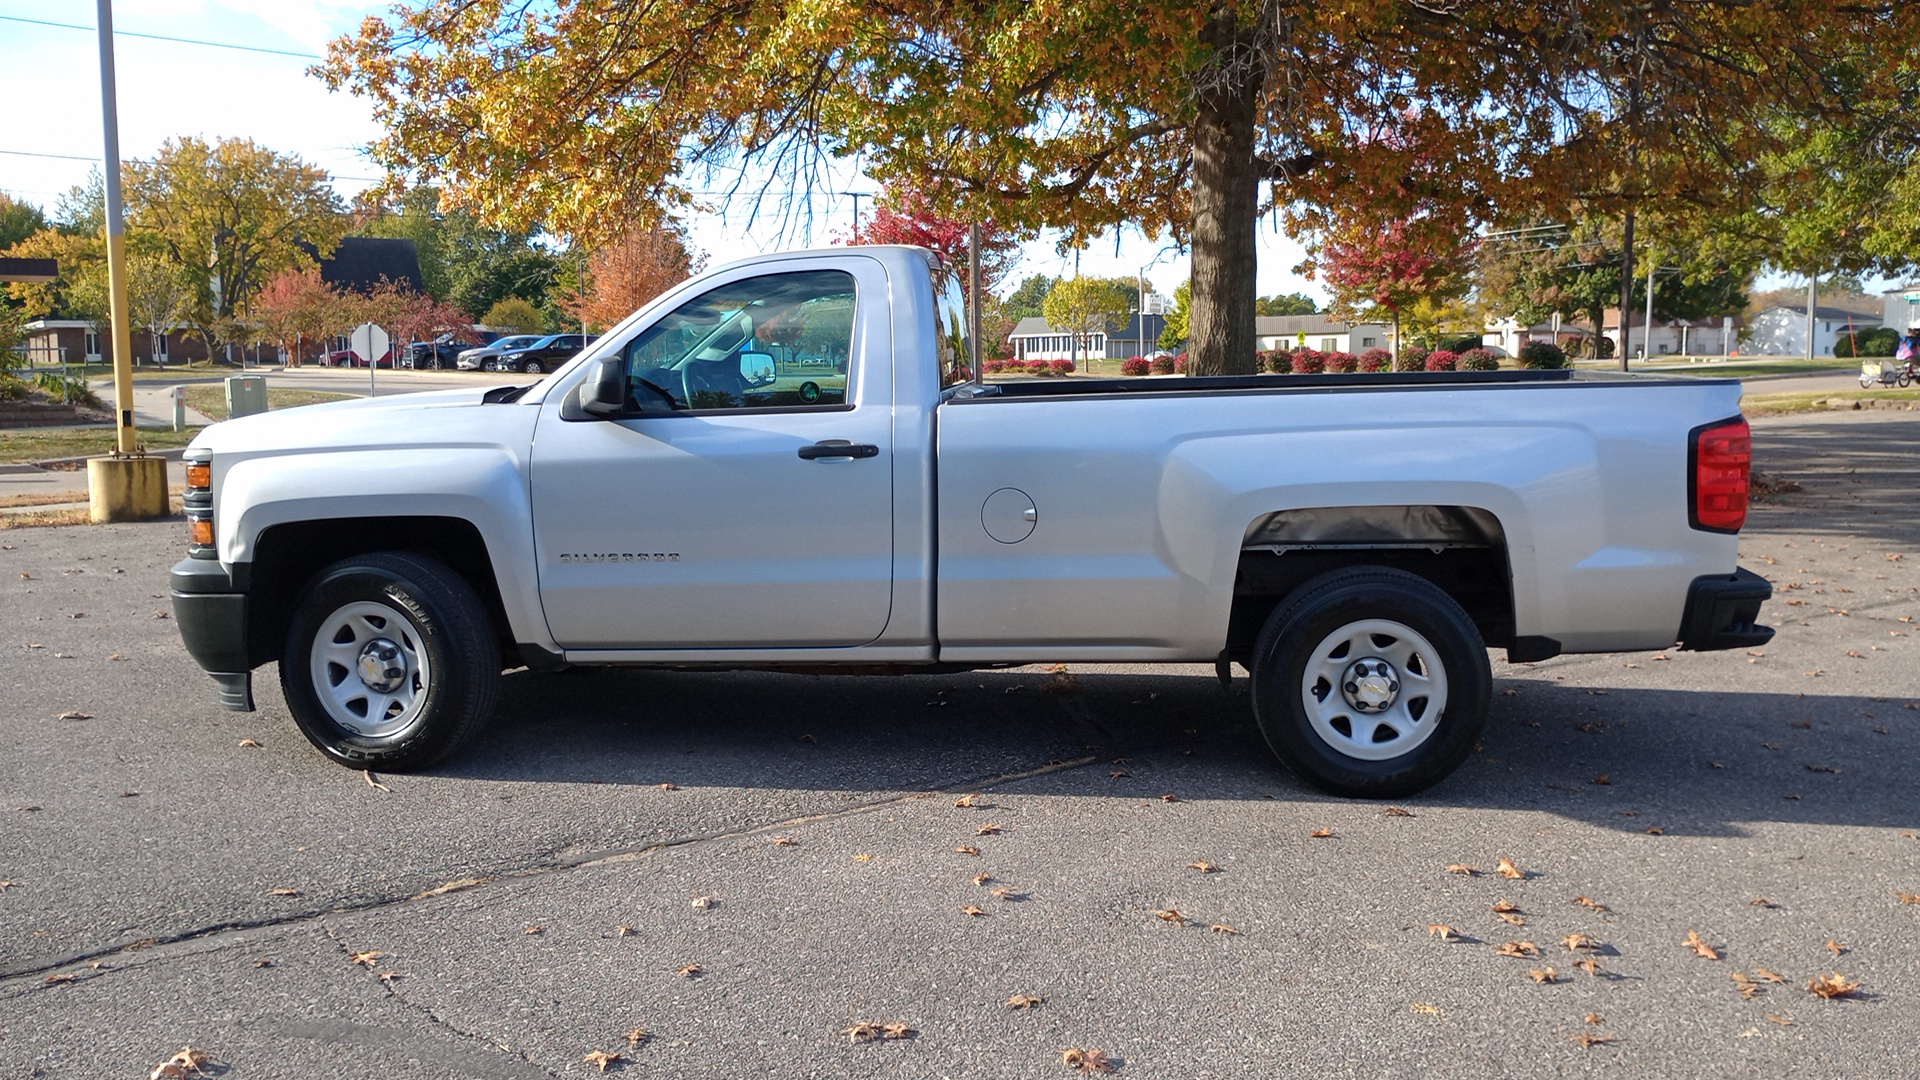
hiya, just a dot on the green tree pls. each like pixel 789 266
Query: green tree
pixel 1084 306
pixel 515 315
pixel 230 215
pixel 83 209
pixel 18 220
pixel 1180 318
pixel 1026 302
pixel 1286 304
pixel 462 261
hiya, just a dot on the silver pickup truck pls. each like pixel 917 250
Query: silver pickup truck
pixel 785 463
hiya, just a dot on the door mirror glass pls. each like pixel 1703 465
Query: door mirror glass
pixel 605 394
pixel 756 368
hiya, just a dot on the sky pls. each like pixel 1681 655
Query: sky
pixel 52 133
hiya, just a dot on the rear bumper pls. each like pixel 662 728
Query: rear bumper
pixel 210 609
pixel 1723 612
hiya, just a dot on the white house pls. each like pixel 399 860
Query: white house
pixel 1318 332
pixel 1902 307
pixel 1782 330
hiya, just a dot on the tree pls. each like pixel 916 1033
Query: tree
pixel 295 306
pixel 1288 304
pixel 80 290
pixel 906 215
pixel 514 315
pixel 18 220
pixel 1091 115
pixel 83 209
pixel 230 215
pixel 156 297
pixel 623 276
pixel 462 261
pixel 425 319
pixel 1084 306
pixel 1180 319
pixel 1027 301
pixel 1390 267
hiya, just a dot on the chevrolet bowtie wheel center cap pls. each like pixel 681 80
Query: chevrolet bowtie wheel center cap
pixel 381 666
pixel 1371 685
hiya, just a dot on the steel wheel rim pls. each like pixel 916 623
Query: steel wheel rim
pixel 1377 715
pixel 370 669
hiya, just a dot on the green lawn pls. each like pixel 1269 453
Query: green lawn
pixel 1800 402
pixel 211 398
pixel 39 444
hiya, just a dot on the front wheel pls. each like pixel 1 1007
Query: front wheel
pixel 530 367
pixel 1906 377
pixel 1370 682
pixel 1867 380
pixel 390 662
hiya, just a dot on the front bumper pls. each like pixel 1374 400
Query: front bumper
pixel 210 608
pixel 1723 612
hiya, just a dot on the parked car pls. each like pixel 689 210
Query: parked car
pixel 338 358
pixel 429 355
pixel 1357 542
pixel 482 357
pixel 544 355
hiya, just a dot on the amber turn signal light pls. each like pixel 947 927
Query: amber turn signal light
pixel 200 531
pixel 199 474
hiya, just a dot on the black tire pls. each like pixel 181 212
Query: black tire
pixel 421 620
pixel 1393 616
pixel 530 367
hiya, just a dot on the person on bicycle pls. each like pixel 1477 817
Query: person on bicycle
pixel 1909 348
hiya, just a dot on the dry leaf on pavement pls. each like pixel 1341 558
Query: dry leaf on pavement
pixel 974 910
pixel 1463 869
pixel 1224 928
pixel 1443 932
pixel 367 957
pixel 690 971
pixel 638 1036
pixel 1517 948
pixel 1086 1061
pixel 1700 947
pixel 1024 1001
pixel 1588 1039
pixel 1171 915
pixel 602 1059
pixel 1544 975
pixel 1833 985
pixel 1507 869
pixel 1203 866
pixel 1836 947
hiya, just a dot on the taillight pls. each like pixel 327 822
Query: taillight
pixel 1720 456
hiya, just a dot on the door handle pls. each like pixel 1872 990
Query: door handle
pixel 838 448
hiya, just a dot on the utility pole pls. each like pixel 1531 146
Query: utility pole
pixel 1813 297
pixel 128 485
pixel 857 196
pixel 1646 332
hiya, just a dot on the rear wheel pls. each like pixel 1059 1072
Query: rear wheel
pixel 1370 682
pixel 390 662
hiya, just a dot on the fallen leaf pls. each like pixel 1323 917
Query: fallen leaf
pixel 74 714
pixel 283 892
pixel 1836 948
pixel 862 1032
pixel 388 976
pixel 1507 869
pixel 1833 985
pixel 1224 928
pixel 78 615
pixel 1203 866
pixel 897 1031
pixel 1117 774
pixel 371 782
pixel 1443 932
pixel 117 656
pixel 1428 1008
pixel 1590 966
pixel 623 930
pixel 1591 903
pixel 1656 830
pixel 1577 940
pixel 974 910
pixel 367 957
pixel 783 841
pixel 1024 1001
pixel 704 903
pixel 864 856
pixel 601 1059
pixel 1700 947
pixel 1761 902
pixel 1520 949
pixel 59 979
pixel 1588 1039
pixel 1907 897
pixel 1770 976
pixel 967 801
pixel 966 849
pixel 1510 917
pixel 982 878
pixel 250 743
pixel 668 785
pixel 1505 905
pixel 1086 1061
pixel 190 1061
pixel 1169 797
pixel 1321 834
pixel 1463 868
pixel 1781 1020
pixel 1007 893
pixel 690 971
pixel 1171 915
pixel 534 931
pixel 1544 975
pixel 638 1036
pixel 1603 780
pixel 263 962
pixel 1396 811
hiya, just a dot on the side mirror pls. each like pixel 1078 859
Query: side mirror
pixel 604 393
pixel 756 368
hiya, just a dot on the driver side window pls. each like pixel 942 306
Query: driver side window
pixel 769 342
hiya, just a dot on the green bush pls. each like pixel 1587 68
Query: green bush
pixel 1412 358
pixel 1542 354
pixel 1880 341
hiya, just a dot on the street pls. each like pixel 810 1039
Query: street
pixel 726 874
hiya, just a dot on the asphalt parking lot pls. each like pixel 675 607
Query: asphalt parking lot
pixel 747 867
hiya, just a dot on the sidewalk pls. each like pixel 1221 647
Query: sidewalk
pixel 152 407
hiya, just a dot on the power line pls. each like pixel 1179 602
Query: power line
pixel 144 161
pixel 165 37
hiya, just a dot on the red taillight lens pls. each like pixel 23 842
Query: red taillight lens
pixel 1722 456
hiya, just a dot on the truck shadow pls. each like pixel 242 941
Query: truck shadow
pixel 1683 762
pixel 1827 476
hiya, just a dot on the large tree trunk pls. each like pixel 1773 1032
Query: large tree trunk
pixel 1626 290
pixel 1226 203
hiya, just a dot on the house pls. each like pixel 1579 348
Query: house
pixel 1714 335
pixel 1781 330
pixel 361 262
pixel 1035 339
pixel 1507 336
pixel 1322 332
pixel 49 342
pixel 1902 307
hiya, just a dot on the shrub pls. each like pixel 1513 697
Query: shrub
pixel 1180 364
pixel 1442 360
pixel 1881 341
pixel 1308 361
pixel 1464 344
pixel 1044 370
pixel 1061 367
pixel 1412 358
pixel 993 367
pixel 1342 362
pixel 1542 354
pixel 1376 360
pixel 1479 359
pixel 1163 365
pixel 1135 365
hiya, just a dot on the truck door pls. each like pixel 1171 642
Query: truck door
pixel 758 512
